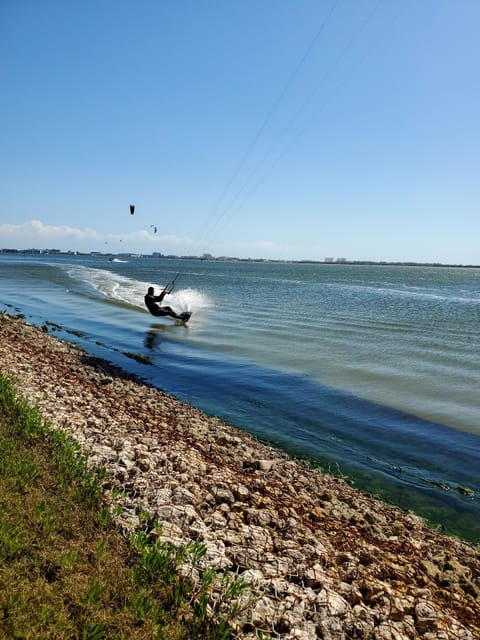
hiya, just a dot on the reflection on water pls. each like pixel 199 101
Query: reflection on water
pixel 152 339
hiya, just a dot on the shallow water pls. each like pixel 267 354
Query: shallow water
pixel 372 371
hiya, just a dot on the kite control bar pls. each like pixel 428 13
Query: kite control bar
pixel 170 286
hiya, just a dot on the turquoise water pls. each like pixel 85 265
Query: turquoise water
pixel 372 371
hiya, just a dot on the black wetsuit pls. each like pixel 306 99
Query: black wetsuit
pixel 155 309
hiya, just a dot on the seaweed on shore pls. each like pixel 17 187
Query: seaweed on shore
pixel 139 357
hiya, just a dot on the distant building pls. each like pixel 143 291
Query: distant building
pixel 341 259
pixel 328 260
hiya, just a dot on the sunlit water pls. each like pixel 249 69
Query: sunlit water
pixel 373 371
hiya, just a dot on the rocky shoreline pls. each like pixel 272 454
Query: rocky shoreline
pixel 322 559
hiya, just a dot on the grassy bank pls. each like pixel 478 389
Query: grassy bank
pixel 67 572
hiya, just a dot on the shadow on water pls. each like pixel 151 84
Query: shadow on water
pixel 152 340
pixel 161 331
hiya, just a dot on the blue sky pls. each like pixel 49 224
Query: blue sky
pixel 269 128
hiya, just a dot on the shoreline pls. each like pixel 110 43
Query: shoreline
pixel 323 559
pixel 328 261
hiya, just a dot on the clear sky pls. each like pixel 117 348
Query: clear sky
pixel 289 129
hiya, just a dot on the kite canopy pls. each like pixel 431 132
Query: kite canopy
pixel 132 209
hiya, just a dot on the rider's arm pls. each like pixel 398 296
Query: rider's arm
pixel 161 296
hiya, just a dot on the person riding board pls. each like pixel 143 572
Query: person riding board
pixel 151 302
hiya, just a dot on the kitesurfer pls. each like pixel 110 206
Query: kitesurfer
pixel 151 302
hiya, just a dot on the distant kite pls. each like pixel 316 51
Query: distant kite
pixel 132 209
pixel 154 228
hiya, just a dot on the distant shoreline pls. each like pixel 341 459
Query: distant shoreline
pixel 335 262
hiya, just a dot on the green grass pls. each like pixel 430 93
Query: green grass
pixel 65 569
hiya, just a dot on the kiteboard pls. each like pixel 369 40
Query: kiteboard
pixel 186 315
